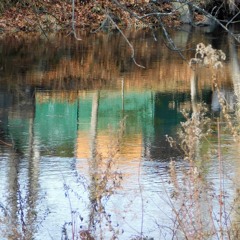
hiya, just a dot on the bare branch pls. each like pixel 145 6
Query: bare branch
pixel 135 16
pixel 170 41
pixel 101 26
pixel 208 15
pixel 231 20
pixel 5 143
pixel 163 14
pixel 126 39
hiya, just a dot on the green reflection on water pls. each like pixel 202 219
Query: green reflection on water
pixel 57 122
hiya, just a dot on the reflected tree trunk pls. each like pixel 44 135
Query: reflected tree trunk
pixel 195 113
pixel 13 189
pixel 23 189
pixel 123 83
pixel 93 160
pixel 93 126
pixel 33 180
pixel 235 70
pixel 194 91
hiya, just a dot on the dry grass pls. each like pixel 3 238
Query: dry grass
pixel 202 209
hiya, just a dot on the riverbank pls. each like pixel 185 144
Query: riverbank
pixel 45 15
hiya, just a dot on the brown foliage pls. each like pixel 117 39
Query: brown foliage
pixel 46 15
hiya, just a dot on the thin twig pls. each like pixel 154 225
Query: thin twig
pixel 5 143
pixel 126 39
pixel 208 15
pixel 133 14
pixel 231 20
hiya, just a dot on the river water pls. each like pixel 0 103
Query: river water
pixel 83 133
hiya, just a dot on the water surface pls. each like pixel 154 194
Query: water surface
pixel 68 107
